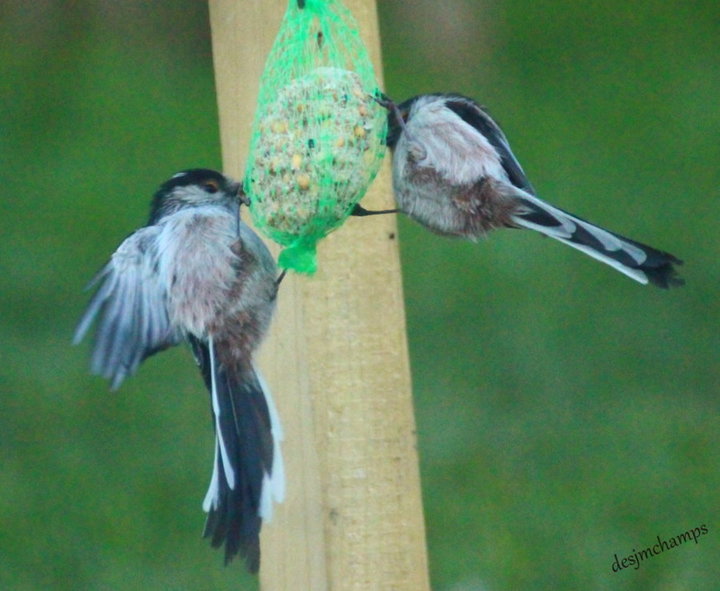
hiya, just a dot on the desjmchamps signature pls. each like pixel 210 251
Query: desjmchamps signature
pixel 636 557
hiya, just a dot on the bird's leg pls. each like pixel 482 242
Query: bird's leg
pixel 242 199
pixel 237 221
pixel 360 211
pixel 387 103
pixel 278 281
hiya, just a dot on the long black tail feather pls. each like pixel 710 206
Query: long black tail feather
pixel 636 260
pixel 244 457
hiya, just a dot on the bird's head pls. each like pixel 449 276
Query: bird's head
pixel 195 188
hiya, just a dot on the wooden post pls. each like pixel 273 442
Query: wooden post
pixel 336 361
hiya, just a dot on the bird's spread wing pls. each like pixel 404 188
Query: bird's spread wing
pixel 475 116
pixel 130 305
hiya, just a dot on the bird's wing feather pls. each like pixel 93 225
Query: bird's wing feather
pixel 474 115
pixel 130 307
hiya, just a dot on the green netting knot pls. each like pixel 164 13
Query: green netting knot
pixel 300 256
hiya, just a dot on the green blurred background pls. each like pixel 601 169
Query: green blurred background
pixel 565 413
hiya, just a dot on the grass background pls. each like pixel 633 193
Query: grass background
pixel 565 413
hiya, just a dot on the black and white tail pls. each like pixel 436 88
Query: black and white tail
pixel 248 473
pixel 638 261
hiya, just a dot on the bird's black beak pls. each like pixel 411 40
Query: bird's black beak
pixel 236 190
pixel 397 117
pixel 383 100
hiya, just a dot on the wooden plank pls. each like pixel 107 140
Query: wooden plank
pixel 336 361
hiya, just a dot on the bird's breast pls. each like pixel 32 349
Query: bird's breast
pixel 206 278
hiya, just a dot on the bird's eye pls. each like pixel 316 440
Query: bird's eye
pixel 211 186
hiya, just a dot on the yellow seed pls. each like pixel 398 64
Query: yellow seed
pixel 303 181
pixel 296 161
pixel 340 142
pixel 359 131
pixel 362 109
pixel 279 126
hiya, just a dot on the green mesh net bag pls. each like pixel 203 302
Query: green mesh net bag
pixel 318 136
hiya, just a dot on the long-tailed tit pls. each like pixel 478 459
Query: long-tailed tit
pixel 454 173
pixel 197 273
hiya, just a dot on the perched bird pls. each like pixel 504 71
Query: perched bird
pixel 454 173
pixel 197 273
